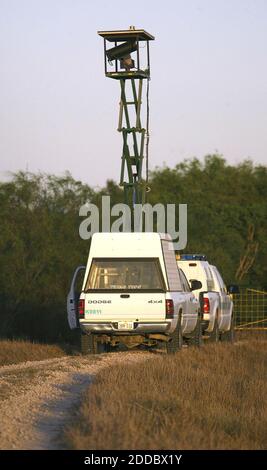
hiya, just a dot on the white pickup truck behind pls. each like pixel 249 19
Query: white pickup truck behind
pixel 215 301
pixel 132 293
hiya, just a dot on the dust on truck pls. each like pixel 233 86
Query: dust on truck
pixel 132 294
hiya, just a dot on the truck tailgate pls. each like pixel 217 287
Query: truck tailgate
pixel 147 307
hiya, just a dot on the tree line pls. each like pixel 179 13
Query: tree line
pixel 40 244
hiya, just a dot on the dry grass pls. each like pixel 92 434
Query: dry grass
pixel 14 352
pixel 213 398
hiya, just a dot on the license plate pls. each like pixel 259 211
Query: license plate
pixel 125 325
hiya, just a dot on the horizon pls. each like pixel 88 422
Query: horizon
pixel 10 175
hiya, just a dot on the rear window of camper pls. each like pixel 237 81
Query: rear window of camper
pixel 131 274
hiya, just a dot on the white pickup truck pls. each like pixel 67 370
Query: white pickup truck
pixel 215 300
pixel 133 293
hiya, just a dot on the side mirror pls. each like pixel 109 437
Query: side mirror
pixel 195 285
pixel 233 289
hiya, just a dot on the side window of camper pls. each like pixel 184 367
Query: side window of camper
pixel 222 285
pixel 186 287
pixel 210 282
pixel 219 284
pixel 171 266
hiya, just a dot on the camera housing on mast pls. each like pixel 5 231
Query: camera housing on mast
pixel 129 56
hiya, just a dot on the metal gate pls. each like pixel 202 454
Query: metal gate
pixel 250 309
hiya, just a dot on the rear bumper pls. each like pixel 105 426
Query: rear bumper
pixel 112 328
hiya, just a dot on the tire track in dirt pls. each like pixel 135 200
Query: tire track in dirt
pixel 38 398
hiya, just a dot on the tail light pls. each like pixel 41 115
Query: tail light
pixel 81 308
pixel 206 305
pixel 169 308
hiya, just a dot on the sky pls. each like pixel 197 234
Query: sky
pixel 58 111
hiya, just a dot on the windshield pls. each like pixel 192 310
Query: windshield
pixel 141 274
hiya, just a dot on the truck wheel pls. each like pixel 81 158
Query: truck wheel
pixel 101 348
pixel 176 341
pixel 88 344
pixel 214 336
pixel 196 337
pixel 229 336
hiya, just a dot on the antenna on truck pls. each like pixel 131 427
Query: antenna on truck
pixel 128 61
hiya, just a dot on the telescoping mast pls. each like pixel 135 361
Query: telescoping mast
pixel 127 59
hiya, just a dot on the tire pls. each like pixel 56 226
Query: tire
pixel 214 336
pixel 229 336
pixel 176 341
pixel 196 336
pixel 88 344
pixel 107 348
pixel 101 348
pixel 161 345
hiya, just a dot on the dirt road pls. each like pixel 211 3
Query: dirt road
pixel 38 399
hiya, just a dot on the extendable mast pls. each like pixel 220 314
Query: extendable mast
pixel 128 61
